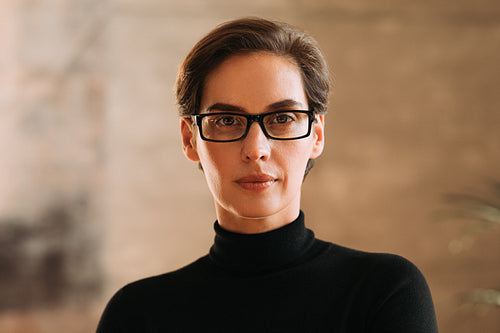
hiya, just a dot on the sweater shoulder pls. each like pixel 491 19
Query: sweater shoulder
pixel 379 272
pixel 137 299
pixel 147 289
pixel 174 279
pixel 376 262
pixel 389 286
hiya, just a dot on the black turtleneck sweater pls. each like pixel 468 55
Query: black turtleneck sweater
pixel 283 280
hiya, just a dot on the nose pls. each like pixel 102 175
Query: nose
pixel 255 145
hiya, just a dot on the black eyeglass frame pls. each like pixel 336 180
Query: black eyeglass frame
pixel 252 118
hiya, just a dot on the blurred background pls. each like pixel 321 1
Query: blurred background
pixel 95 191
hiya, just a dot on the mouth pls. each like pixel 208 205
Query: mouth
pixel 258 182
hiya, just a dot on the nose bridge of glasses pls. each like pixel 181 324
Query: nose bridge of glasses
pixel 257 118
pixel 251 118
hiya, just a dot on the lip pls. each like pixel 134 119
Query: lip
pixel 256 182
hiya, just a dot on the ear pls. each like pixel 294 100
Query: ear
pixel 188 140
pixel 319 136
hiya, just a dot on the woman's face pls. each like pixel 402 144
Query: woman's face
pixel 255 181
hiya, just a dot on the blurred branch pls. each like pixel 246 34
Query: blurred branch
pixel 484 296
pixel 486 215
pixel 476 207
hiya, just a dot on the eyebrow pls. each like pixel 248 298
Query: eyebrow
pixel 224 107
pixel 286 103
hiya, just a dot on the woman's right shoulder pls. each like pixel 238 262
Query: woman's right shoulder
pixel 171 280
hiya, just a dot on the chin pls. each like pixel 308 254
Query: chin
pixel 252 212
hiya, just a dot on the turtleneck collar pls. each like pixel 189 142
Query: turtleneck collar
pixel 263 252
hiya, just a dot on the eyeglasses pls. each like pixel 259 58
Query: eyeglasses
pixel 277 125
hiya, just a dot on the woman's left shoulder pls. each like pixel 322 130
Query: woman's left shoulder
pixel 378 266
pixel 390 267
pixel 391 262
pixel 398 288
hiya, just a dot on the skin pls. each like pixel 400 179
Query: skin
pixel 255 182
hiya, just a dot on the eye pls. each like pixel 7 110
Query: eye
pixel 283 118
pixel 226 120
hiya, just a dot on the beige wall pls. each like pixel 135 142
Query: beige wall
pixel 95 191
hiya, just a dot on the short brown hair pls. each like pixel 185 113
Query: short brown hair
pixel 252 35
pixel 249 35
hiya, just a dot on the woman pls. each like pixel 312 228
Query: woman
pixel 252 96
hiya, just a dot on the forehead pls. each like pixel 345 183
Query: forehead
pixel 254 80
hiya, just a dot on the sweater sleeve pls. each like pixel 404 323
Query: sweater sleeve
pixel 403 302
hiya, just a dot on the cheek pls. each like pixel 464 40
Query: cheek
pixel 215 161
pixel 294 160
